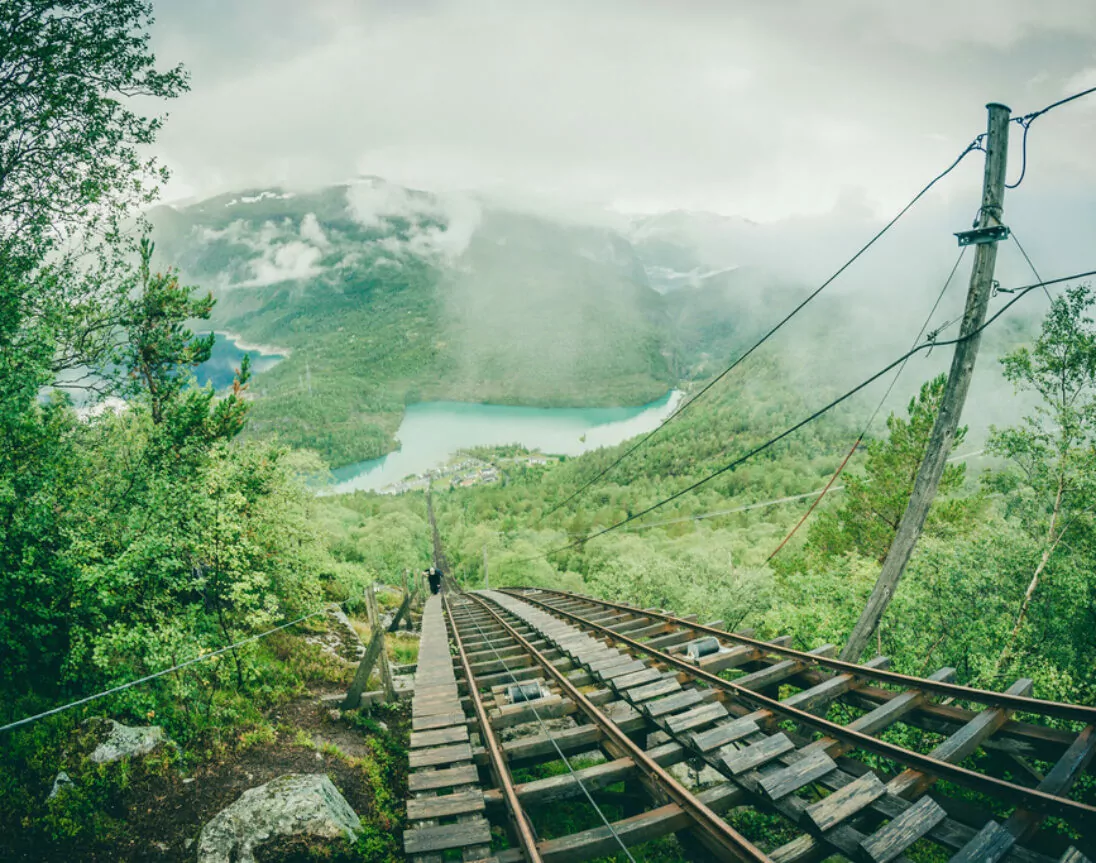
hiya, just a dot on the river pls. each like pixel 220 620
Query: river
pixel 432 432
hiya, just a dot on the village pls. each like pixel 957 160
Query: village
pixel 467 470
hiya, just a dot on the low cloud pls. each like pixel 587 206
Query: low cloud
pixel 415 223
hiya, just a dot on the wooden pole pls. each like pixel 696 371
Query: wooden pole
pixel 486 577
pixel 955 393
pixel 374 615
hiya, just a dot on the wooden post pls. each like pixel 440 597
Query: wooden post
pixel 365 668
pixel 375 627
pixel 955 393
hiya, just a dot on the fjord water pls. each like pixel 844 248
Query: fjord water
pixel 432 432
pixel 220 368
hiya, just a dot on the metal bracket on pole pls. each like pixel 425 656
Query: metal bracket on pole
pixel 988 234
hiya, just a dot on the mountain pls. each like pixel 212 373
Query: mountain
pixel 384 296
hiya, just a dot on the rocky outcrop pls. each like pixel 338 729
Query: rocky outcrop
pixel 305 806
pixel 117 741
pixel 340 639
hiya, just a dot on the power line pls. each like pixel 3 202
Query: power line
pixel 1026 121
pixel 764 503
pixel 1018 294
pixel 974 145
pixel 878 407
pixel 200 658
pixel 1023 252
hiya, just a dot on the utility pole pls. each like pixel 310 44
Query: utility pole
pixel 486 577
pixel 986 235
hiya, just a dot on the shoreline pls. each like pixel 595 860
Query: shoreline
pixel 266 350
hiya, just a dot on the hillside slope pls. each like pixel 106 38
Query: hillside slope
pixel 386 296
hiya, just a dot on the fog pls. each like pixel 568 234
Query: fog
pixel 776 137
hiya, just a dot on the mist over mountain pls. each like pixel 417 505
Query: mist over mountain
pixel 384 296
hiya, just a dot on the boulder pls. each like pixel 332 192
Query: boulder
pixel 117 741
pixel 305 805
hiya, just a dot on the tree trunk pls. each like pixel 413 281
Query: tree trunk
pixel 1051 544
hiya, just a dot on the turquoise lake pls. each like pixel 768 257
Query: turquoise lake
pixel 432 432
pixel 220 368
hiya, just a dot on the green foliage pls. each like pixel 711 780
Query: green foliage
pixel 873 501
pixel 1049 487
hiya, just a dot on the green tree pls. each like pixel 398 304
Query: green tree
pixel 875 499
pixel 1051 488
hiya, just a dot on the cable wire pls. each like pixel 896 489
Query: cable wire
pixel 1018 294
pixel 1023 252
pixel 878 407
pixel 765 503
pixel 552 740
pixel 974 145
pixel 201 658
pixel 1026 121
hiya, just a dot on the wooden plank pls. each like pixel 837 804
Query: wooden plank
pixel 991 843
pixel 780 671
pixel 622 670
pixel 673 703
pixel 611 662
pixel 539 745
pixel 423 840
pixel 1022 823
pixel 431 780
pixel 740 760
pixel 721 735
pixel 601 841
pixel 831 811
pixel 567 785
pixel 437 720
pixel 1072 855
pixel 636 678
pixel 912 783
pixel 885 714
pixel 439 737
pixel 892 840
pixel 703 714
pixel 444 805
pixel 823 693
pixel 440 755
pixel 800 773
pixel 664 686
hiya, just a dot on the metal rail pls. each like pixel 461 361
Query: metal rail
pixel 1058 710
pixel 1081 815
pixel 522 825
pixel 717 831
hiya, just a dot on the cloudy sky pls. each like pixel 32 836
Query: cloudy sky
pixel 762 110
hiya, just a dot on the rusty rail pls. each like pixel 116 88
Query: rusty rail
pixel 1055 709
pixel 717 832
pixel 1079 814
pixel 523 827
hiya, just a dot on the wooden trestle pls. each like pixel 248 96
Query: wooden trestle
pixel 623 683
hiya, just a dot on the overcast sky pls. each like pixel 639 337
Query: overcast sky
pixel 758 109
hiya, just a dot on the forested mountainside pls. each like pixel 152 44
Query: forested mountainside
pixel 386 296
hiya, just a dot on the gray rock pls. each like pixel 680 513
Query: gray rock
pixel 296 804
pixel 60 783
pixel 117 741
pixel 690 778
